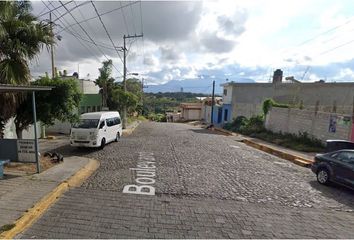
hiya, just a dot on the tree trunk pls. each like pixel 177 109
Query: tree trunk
pixel 19 132
pixel 2 128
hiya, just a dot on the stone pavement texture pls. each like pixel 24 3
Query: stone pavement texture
pixel 207 186
pixel 19 193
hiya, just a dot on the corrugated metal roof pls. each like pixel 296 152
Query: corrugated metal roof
pixel 23 88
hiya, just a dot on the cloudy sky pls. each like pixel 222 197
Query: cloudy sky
pixel 308 39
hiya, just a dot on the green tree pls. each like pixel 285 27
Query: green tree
pixel 121 99
pixel 105 81
pixel 22 37
pixel 61 103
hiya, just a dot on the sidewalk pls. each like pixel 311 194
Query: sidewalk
pixel 300 158
pixel 18 194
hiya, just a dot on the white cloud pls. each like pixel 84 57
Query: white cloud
pixel 185 39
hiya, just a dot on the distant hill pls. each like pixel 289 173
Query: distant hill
pixel 193 85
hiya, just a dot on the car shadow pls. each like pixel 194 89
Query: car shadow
pixel 336 192
pixel 67 150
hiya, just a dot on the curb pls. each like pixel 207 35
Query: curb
pixel 287 156
pixel 225 131
pixel 127 132
pixel 32 214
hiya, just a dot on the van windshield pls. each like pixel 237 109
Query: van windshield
pixel 87 123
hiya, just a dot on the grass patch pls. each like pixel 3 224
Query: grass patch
pixel 301 142
pixel 7 227
pixel 29 168
pixel 254 127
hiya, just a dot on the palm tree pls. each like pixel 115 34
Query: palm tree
pixel 22 37
pixel 105 81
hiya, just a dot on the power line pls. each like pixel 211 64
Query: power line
pixel 104 26
pixel 69 11
pixel 40 15
pixel 125 21
pixel 76 35
pixel 131 11
pixel 82 15
pixel 142 32
pixel 70 31
pixel 325 32
pixel 88 19
pixel 88 35
pixel 336 47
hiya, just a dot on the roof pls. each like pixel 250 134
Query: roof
pixel 243 84
pixel 98 115
pixel 23 88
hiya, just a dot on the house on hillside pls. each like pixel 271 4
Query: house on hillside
pixel 191 111
pixel 218 110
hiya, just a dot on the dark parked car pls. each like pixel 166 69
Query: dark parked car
pixel 336 167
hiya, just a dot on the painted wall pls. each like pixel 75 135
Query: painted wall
pixel 226 113
pixel 87 86
pixel 227 94
pixel 247 98
pixel 191 114
pixel 289 120
pixel 217 117
pixel 10 130
pixel 90 103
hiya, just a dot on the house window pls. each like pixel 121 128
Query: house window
pixel 225 114
pixel 225 92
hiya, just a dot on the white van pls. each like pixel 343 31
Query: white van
pixel 96 129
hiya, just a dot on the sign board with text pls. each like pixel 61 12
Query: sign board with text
pixel 26 150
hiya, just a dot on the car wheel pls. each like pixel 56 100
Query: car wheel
pixel 117 137
pixel 323 176
pixel 103 143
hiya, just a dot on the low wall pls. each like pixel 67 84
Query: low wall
pixel 321 125
pixel 10 130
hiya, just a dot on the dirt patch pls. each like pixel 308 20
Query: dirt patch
pixel 45 163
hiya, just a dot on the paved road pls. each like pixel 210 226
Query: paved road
pixel 207 186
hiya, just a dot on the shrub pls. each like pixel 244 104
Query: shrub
pixel 236 124
pixel 269 103
pixel 253 125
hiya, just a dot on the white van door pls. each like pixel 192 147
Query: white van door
pixel 111 132
pixel 102 131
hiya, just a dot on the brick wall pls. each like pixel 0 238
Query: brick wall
pixel 316 124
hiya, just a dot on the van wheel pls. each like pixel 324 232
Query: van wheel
pixel 103 143
pixel 117 137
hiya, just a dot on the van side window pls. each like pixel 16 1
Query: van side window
pixel 101 124
pixel 109 122
pixel 118 121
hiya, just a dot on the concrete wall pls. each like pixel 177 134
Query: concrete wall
pixel 10 130
pixel 247 98
pixel 59 127
pixel 227 99
pixel 87 86
pixel 191 114
pixel 289 120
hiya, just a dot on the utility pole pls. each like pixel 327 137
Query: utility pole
pixel 212 104
pixel 51 45
pixel 125 74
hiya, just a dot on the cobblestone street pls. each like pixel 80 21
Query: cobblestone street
pixel 207 186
